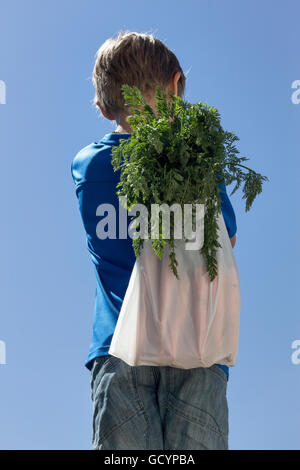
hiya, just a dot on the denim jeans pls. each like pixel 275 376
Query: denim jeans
pixel 152 407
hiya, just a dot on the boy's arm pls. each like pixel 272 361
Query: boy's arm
pixel 233 240
pixel 228 214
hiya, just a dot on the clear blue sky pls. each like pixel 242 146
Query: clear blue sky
pixel 241 57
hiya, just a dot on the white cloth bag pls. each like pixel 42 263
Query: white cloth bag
pixel 187 322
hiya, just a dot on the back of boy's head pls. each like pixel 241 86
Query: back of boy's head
pixel 136 59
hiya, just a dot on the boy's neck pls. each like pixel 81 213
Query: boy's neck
pixel 121 130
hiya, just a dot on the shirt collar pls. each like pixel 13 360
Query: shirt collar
pixel 114 138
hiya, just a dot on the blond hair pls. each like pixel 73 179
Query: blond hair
pixel 135 59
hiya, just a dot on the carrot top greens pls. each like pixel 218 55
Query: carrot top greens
pixel 179 156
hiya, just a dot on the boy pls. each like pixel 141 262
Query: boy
pixel 140 407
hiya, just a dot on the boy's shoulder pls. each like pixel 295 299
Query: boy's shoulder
pixel 92 163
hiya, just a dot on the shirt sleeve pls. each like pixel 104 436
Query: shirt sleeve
pixel 227 211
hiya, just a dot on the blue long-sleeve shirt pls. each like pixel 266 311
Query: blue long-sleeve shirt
pixel 113 259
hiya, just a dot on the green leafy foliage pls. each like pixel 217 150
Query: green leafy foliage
pixel 179 156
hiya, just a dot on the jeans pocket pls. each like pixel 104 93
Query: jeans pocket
pixel 197 409
pixel 220 372
pixel 97 365
pixel 190 427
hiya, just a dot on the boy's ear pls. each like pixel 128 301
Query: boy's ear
pixel 173 84
pixel 109 116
